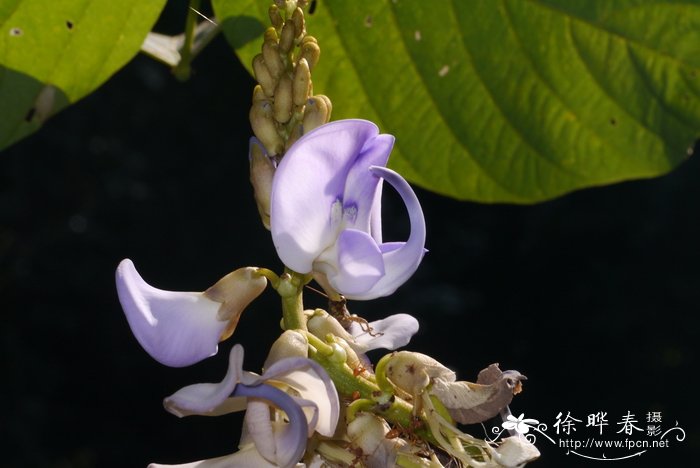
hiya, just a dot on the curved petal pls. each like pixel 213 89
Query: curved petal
pixel 362 188
pixel 309 180
pixel 290 443
pixel 259 429
pixel 176 328
pixel 208 398
pixel 312 383
pixel 390 333
pixel 399 263
pixel 354 264
pixel 375 218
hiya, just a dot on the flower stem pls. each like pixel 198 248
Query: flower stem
pixel 183 70
pixel 290 287
pixel 350 386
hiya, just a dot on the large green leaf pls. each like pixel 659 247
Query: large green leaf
pixel 508 100
pixel 54 52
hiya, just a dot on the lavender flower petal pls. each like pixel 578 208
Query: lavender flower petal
pixel 289 446
pixel 208 398
pixel 326 211
pixel 312 383
pixel 176 328
pixel 400 262
pixel 390 333
pixel 309 180
pixel 354 264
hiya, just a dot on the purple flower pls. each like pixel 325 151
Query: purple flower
pixel 181 328
pixel 326 211
pixel 296 386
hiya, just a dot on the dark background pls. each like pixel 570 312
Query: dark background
pixel 594 296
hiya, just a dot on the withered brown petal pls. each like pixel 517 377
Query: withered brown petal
pixel 470 403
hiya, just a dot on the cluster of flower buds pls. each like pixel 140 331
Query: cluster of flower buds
pixel 284 107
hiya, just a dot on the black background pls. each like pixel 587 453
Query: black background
pixel 594 296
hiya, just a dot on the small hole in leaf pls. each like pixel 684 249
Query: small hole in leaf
pixel 312 7
pixel 16 32
pixel 69 24
pixel 613 122
pixel 30 115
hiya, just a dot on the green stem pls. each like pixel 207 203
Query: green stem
pixel 351 386
pixel 290 287
pixel 271 277
pixel 183 70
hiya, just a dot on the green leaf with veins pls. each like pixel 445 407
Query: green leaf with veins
pixel 507 100
pixel 54 52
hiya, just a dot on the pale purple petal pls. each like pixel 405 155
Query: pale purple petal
pixel 400 263
pixel 353 265
pixel 289 441
pixel 375 219
pixel 312 383
pixel 309 180
pixel 258 424
pixel 390 333
pixel 176 328
pixel 208 398
pixel 362 188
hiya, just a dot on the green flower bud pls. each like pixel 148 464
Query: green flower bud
pixel 287 37
pixel 258 93
pixel 273 61
pixel 316 113
pixel 294 135
pixel 275 16
pixel 271 35
pixel 290 344
pixel 262 74
pixel 283 99
pixel 310 51
pixel 302 82
pixel 262 170
pixel 299 24
pixel 264 127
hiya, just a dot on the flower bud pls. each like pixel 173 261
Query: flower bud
pixel 294 135
pixel 262 170
pixel 368 433
pixel 263 75
pixel 322 324
pixel 317 112
pixel 264 127
pixel 299 25
pixel 273 61
pixel 412 372
pixel 275 16
pixel 287 37
pixel 271 35
pixel 283 99
pixel 290 344
pixel 235 291
pixel 310 51
pixel 258 94
pixel 302 82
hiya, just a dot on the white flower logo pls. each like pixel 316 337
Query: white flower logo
pixel 519 424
